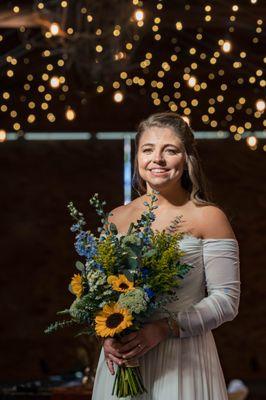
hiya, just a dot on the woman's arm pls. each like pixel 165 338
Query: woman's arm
pixel 220 257
pixel 221 266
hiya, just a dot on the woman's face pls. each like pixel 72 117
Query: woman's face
pixel 161 159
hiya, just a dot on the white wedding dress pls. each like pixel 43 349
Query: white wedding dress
pixel 188 367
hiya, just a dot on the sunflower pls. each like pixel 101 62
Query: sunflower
pixel 120 283
pixel 76 285
pixel 112 319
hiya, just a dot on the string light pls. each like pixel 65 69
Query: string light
pixel 118 97
pixel 179 25
pixel 105 56
pixel 54 29
pixel 55 82
pixel 227 46
pixel 252 141
pixel 70 114
pixel 139 15
pixel 260 105
pixel 192 81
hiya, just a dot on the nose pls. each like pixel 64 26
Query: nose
pixel 158 158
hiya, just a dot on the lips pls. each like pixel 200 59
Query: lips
pixel 158 171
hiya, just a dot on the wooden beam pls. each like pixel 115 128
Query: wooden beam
pixel 26 18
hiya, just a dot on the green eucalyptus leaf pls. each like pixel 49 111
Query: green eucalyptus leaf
pixel 133 263
pixel 150 253
pixel 63 312
pixel 80 266
pixel 133 250
pixel 131 239
pixel 128 274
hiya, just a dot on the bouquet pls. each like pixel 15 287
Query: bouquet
pixel 121 281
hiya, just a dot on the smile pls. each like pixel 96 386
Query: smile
pixel 158 171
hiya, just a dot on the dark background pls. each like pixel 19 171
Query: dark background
pixel 37 253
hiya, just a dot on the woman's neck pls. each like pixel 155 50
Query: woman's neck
pixel 177 198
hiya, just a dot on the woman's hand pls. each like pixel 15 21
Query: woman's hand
pixel 136 344
pixel 111 353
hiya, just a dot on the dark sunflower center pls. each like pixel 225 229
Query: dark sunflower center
pixel 114 320
pixel 123 285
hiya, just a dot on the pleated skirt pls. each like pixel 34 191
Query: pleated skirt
pixel 176 369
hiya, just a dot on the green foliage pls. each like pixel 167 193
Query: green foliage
pixel 150 259
pixel 56 325
pixel 79 309
pixel 80 266
pixel 106 255
pixel 98 205
pixel 163 263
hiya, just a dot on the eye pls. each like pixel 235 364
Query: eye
pixel 145 150
pixel 171 151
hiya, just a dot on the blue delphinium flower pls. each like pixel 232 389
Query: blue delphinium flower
pixel 149 292
pixel 144 273
pixel 75 227
pixel 99 266
pixel 147 232
pixel 152 215
pixel 145 238
pixel 85 244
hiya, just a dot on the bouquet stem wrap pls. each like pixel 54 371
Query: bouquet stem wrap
pixel 128 380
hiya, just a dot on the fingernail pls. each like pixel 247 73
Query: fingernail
pixel 124 356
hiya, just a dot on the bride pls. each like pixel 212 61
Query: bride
pixel 178 356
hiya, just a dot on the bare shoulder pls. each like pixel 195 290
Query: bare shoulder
pixel 214 223
pixel 117 213
pixel 123 215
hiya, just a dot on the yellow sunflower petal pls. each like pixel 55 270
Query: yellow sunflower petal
pixel 114 320
pixel 120 283
pixel 111 278
pixel 76 285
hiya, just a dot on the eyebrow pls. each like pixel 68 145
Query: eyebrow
pixel 152 144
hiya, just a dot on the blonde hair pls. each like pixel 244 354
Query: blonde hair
pixel 193 179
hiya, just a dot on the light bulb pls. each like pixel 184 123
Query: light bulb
pixel 54 28
pixel 227 46
pixel 118 97
pixel 55 82
pixel 139 15
pixel 70 114
pixel 260 105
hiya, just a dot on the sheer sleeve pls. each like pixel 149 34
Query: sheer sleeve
pixel 222 275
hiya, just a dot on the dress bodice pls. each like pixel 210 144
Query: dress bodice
pixel 192 287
